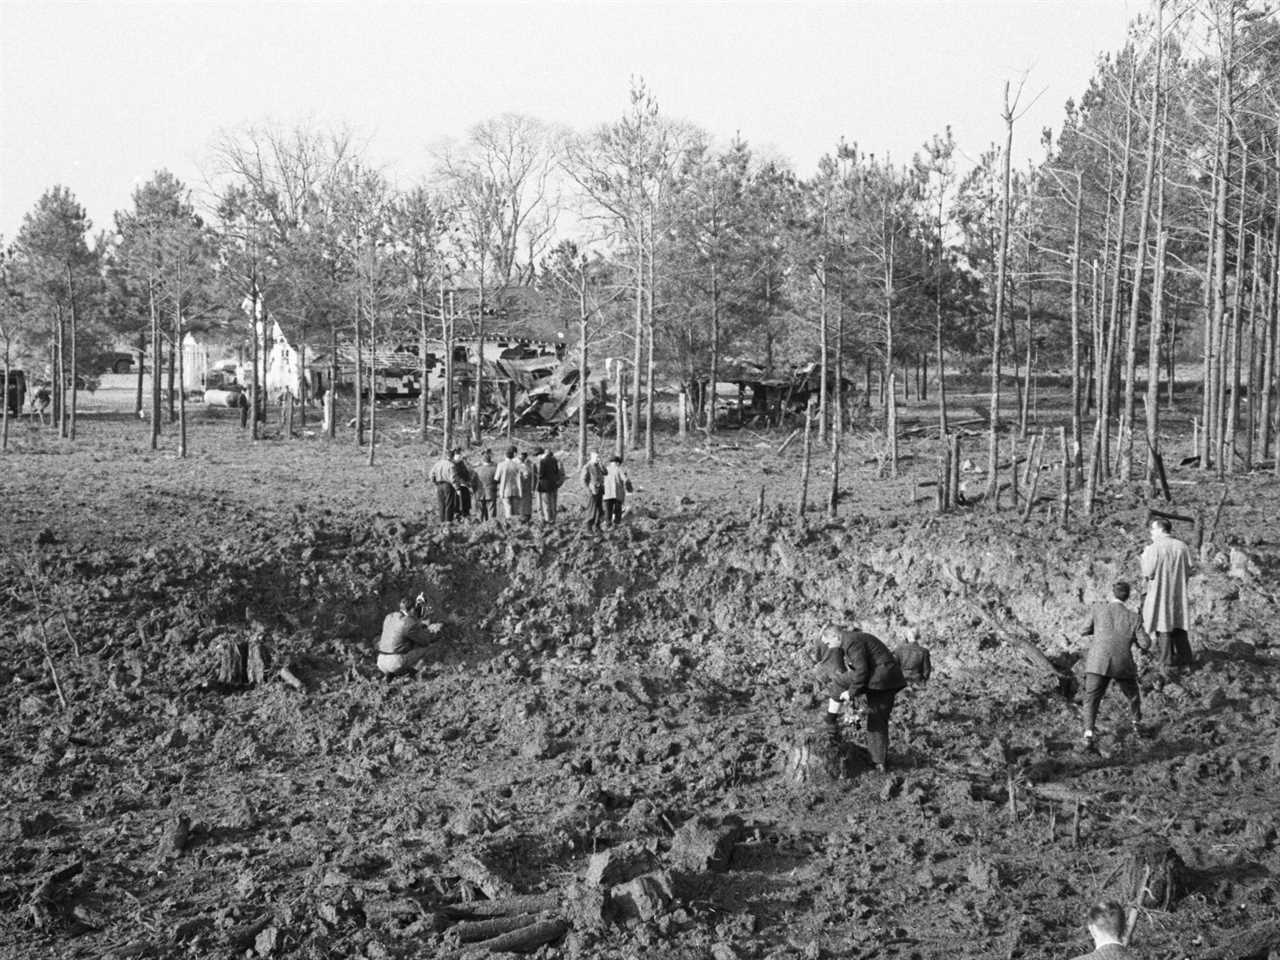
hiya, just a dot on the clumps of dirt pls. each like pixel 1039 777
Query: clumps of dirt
pixel 599 758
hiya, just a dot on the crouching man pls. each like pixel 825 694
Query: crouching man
pixel 852 663
pixel 404 637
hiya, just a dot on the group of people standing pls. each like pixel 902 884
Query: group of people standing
pixel 508 490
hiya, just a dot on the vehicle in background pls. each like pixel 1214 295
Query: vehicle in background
pixel 116 361
pixel 221 389
pixel 15 392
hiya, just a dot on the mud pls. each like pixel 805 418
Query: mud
pixel 600 750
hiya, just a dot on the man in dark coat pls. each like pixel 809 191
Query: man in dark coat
pixel 917 666
pixel 550 478
pixel 486 487
pixel 1115 630
pixel 853 663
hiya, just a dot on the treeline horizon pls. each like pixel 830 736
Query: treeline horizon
pixel 1148 232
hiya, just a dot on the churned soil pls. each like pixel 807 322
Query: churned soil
pixel 613 749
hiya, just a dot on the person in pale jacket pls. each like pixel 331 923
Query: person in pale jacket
pixel 509 478
pixel 616 486
pixel 1166 564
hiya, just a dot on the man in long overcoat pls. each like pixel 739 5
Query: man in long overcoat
pixel 510 490
pixel 1166 563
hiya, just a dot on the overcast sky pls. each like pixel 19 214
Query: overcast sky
pixel 97 96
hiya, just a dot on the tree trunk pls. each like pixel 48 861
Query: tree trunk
pixel 359 376
pixel 331 396
pixel 305 382
pixel 583 392
pixel 808 449
pixel 1117 275
pixel 891 418
pixel 75 366
pixel 638 353
pixel 182 393
pixel 1125 452
pixel 1213 337
pixel 170 400
pixel 1204 441
pixel 266 358
pixel 1231 412
pixel 156 358
pixel 1002 253
pixel 648 374
pixel 1153 349
pixel 63 414
pixel 423 384
pixel 373 370
pixel 715 346
pixel 1269 335
pixel 1025 405
pixel 1075 451
pixel 937 330
pixel 822 349
pixel 475 426
pixel 648 394
pixel 1254 374
pixel 446 391
pixel 142 359
pixel 4 398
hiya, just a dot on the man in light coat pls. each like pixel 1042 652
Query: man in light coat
pixel 1166 563
pixel 592 476
pixel 444 474
pixel 614 495
pixel 509 477
pixel 1115 630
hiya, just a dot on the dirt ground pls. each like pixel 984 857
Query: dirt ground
pixel 607 748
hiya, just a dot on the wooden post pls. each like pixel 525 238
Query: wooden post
pixel 511 408
pixel 1091 477
pixel 1037 447
pixel 760 505
pixel 1013 465
pixel 833 505
pixel 684 413
pixel 944 480
pixel 808 449
pixel 1064 518
pixel 955 470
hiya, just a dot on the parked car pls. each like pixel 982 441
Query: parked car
pixel 221 389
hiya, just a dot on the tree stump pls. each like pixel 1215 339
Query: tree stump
pixel 241 662
pixel 230 662
pixel 1156 875
pixel 256 663
pixel 814 758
